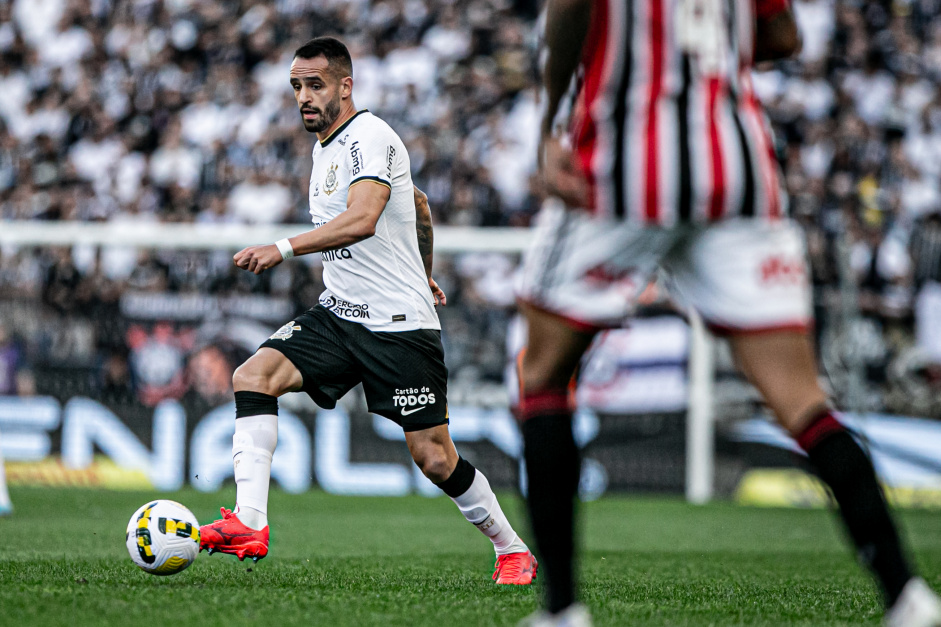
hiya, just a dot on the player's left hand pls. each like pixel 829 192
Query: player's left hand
pixel 437 293
pixel 561 173
pixel 257 259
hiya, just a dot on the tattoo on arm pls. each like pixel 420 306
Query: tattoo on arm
pixel 426 235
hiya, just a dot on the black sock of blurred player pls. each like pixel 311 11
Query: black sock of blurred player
pixel 552 471
pixel 849 473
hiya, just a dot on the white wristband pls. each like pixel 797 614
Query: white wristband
pixel 284 245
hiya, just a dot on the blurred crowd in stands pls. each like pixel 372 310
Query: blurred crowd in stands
pixel 180 110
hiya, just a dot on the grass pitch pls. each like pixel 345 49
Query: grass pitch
pixel 414 561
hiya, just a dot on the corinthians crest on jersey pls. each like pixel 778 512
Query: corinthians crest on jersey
pixel 330 183
pixel 385 270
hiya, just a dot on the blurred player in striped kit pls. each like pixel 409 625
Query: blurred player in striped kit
pixel 666 164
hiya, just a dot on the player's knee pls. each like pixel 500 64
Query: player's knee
pixel 248 378
pixel 544 370
pixel 435 465
pixel 541 376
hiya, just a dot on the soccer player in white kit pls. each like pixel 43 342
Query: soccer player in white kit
pixel 375 324
pixel 667 164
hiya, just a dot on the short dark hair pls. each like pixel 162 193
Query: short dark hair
pixel 333 50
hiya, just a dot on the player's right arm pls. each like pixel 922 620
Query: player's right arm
pixel 364 205
pixel 776 34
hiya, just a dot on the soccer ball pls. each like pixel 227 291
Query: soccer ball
pixel 163 537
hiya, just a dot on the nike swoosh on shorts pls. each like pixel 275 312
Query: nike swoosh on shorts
pixel 412 411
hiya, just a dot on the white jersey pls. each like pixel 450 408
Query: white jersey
pixel 379 282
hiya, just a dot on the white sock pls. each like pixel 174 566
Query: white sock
pixel 480 507
pixel 253 445
pixel 4 495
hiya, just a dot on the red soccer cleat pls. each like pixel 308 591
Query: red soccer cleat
pixel 229 535
pixel 515 569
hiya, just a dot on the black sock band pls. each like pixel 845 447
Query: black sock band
pixel 844 467
pixel 255 404
pixel 460 480
pixel 552 471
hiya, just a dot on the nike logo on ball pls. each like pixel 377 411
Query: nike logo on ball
pixel 411 411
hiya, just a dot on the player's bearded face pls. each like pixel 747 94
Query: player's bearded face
pixel 318 91
pixel 318 117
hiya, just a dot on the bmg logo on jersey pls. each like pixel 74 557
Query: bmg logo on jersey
pixel 412 400
pixel 390 157
pixel 357 156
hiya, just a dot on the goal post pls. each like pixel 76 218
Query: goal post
pixel 700 414
pixel 699 455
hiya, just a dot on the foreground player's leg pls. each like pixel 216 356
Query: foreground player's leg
pixel 257 383
pixel 434 453
pixel 782 367
pixel 6 507
pixel 553 352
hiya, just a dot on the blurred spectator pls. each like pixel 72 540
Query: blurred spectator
pixel 116 379
pixel 210 375
pixel 259 200
pixel 173 162
pixel 815 20
pixel 62 280
pixel 881 264
pixel 10 363
pixel 157 361
pixel 926 258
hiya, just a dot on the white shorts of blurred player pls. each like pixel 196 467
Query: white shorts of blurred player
pixel 741 275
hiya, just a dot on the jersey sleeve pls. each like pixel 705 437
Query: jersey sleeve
pixel 373 158
pixel 765 9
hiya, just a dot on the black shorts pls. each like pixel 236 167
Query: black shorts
pixel 403 373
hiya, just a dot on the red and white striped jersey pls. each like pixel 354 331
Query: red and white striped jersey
pixel 665 123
